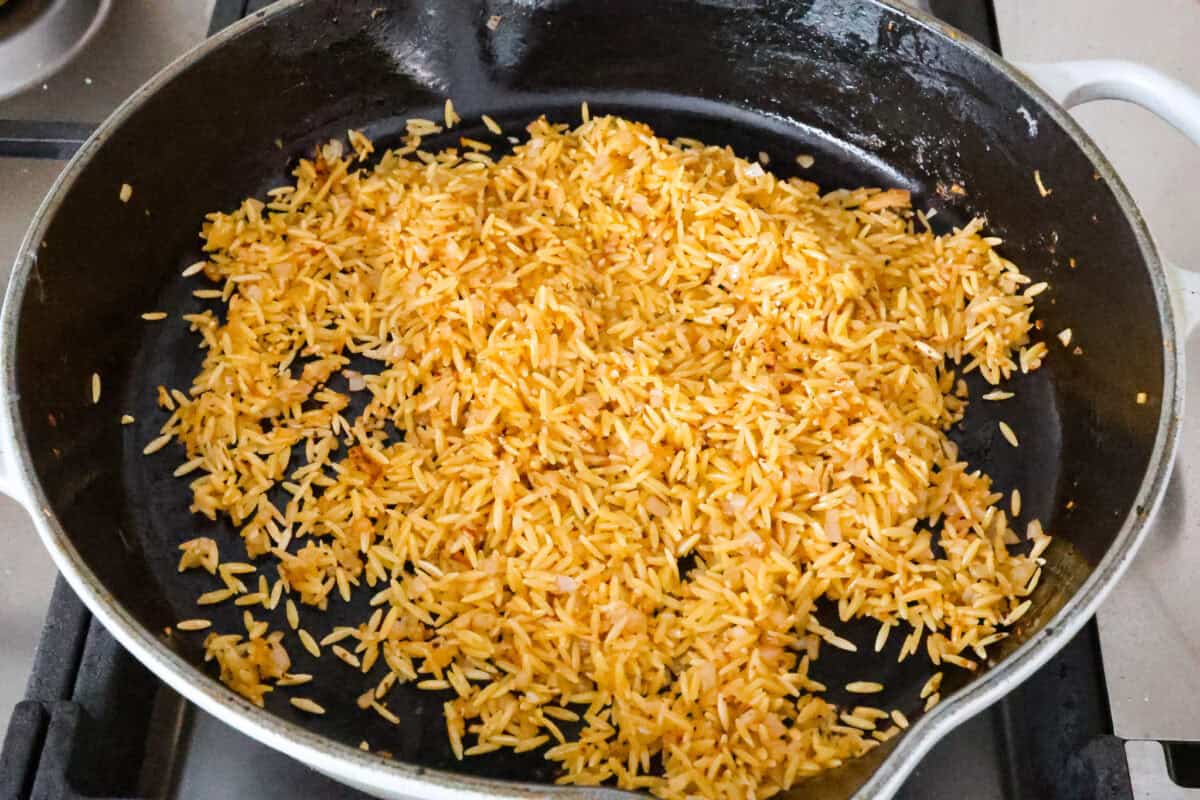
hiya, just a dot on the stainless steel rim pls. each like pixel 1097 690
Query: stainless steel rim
pixel 374 773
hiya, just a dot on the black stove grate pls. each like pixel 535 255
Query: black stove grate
pixel 96 724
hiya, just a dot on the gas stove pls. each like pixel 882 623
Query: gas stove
pixel 94 723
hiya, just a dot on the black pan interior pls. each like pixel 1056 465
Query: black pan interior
pixel 875 97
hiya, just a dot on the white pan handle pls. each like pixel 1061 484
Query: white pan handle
pixel 1073 83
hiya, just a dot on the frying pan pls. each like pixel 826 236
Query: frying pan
pixel 877 94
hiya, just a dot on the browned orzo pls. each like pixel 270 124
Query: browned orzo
pixel 655 403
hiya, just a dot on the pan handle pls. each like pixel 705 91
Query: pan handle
pixel 1073 83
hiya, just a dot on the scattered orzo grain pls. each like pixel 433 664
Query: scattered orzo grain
pixel 1008 434
pixel 126 192
pixel 1018 612
pixel 251 599
pixel 885 734
pixel 337 635
pixel 491 124
pixel 606 352
pixel 127 419
pixel 862 723
pixel 932 685
pixel 1142 398
pixel 188 467
pixel 154 316
pixel 451 117
pixel 881 637
pixel 294 679
pixel 384 712
pixel 193 624
pixel 293 614
pixel 363 147
pixel 1041 187
pixel 346 656
pixel 95 388
pixel 199 552
pixel 215 596
pixel 157 444
pixel 304 704
pixel 864 687
pixel 310 644
pixel 276 595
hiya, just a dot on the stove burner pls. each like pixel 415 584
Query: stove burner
pixel 38 37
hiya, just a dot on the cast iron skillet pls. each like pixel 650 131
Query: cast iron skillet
pixel 875 94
